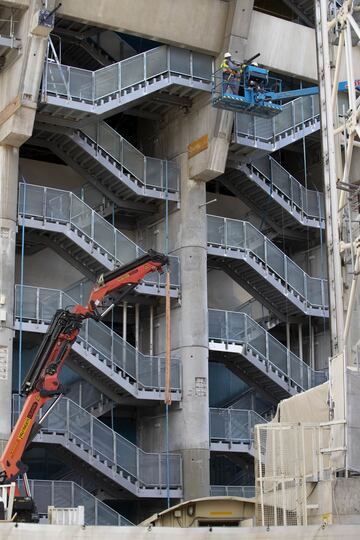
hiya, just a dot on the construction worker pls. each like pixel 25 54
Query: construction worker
pixel 231 73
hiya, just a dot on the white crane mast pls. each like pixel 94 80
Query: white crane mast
pixel 338 39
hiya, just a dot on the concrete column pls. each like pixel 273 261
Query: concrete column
pixel 189 425
pixel 9 164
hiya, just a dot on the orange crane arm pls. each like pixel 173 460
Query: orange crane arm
pixel 42 381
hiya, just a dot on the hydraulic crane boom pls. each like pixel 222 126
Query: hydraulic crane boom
pixel 42 381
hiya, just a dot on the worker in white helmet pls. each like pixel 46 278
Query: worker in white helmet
pixel 231 72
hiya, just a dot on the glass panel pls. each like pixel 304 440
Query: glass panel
pixel 244 124
pixel 277 354
pixel 109 140
pixel 100 338
pixel 215 230
pixel 57 205
pixel 297 191
pixel 312 201
pixel 29 302
pixel 126 251
pixel 295 277
pixel 81 84
pixel 57 79
pixel 307 107
pixel 237 327
pixel 275 259
pixel 106 81
pixel 264 128
pixel 156 61
pixel 256 337
pixel 81 216
pixel 133 160
pixel 202 66
pixel 49 302
pixel 255 241
pixel 126 455
pixel 235 231
pixel 283 121
pixel 88 501
pixel 314 287
pixel 173 175
pixel 34 200
pixel 132 71
pixel 153 172
pixel 104 234
pixel 217 325
pixel 103 440
pixel 219 424
pixel 264 166
pixel 180 61
pixel 280 178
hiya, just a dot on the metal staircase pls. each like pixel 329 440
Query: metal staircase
pixel 156 80
pixel 99 355
pixel 257 357
pixel 255 137
pixel 263 270
pixel 108 454
pixel 90 398
pixel 114 166
pixel 232 430
pixel 268 189
pixel 63 222
pixel 68 494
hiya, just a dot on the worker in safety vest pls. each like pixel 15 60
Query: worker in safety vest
pixel 231 73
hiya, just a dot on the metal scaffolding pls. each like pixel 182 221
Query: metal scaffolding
pixel 338 36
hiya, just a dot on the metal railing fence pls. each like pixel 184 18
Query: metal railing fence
pixel 148 171
pixel 295 114
pixel 75 424
pixel 233 234
pixel 68 494
pixel 309 202
pixel 233 425
pixel 247 492
pixel 64 207
pixel 239 328
pixel 93 86
pixel 147 372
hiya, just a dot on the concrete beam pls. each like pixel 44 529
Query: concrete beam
pixel 187 24
pixel 198 25
pixel 17 4
pixel 285 47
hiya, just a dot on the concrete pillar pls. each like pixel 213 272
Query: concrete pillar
pixel 189 425
pixel 9 163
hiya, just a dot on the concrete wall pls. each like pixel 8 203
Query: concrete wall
pixel 27 531
pixel 52 175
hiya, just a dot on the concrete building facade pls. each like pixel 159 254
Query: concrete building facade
pixel 110 146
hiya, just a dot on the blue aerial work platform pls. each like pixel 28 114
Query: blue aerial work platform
pixel 254 92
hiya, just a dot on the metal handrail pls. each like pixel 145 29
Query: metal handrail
pixel 295 113
pixel 142 168
pixel 147 469
pixel 234 234
pixel 292 189
pixel 233 425
pixel 146 372
pixel 94 86
pixel 49 492
pixel 247 492
pixel 239 328
pixel 64 207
